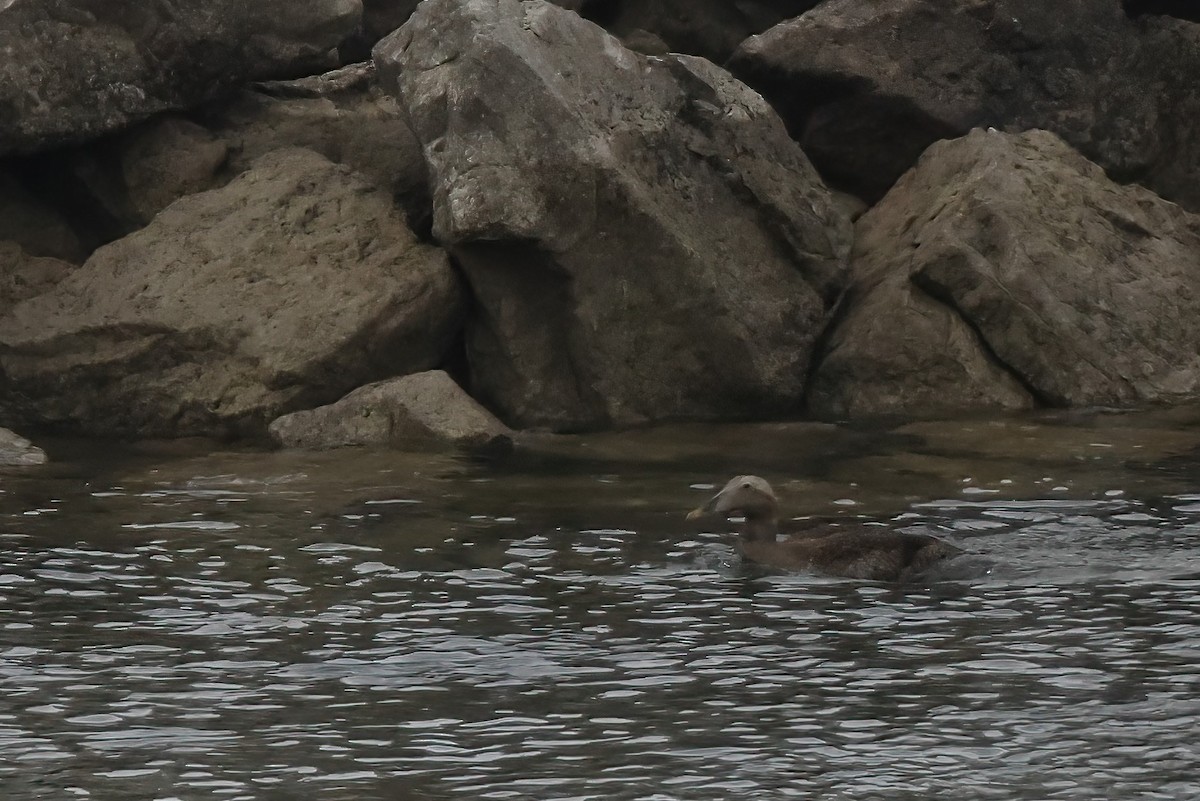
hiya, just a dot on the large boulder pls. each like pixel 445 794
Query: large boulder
pixel 1005 271
pixel 866 87
pixel 283 290
pixel 75 69
pixel 642 238
pixel 414 411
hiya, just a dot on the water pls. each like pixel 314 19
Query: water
pixel 188 623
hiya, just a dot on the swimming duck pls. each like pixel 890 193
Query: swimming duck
pixel 876 555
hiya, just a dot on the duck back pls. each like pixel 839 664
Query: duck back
pixel 860 553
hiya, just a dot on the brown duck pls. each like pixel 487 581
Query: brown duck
pixel 856 553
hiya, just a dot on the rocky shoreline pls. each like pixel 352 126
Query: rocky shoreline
pixel 218 220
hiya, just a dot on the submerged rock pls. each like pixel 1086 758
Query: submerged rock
pixel 285 289
pixel 642 238
pixel 866 87
pixel 16 451
pixel 413 411
pixel 1007 270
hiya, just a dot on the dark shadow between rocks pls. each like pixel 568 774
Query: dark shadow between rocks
pixel 1180 9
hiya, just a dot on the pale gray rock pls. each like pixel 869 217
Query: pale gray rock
pixel 16 451
pixel 1008 270
pixel 642 238
pixel 414 411
pixel 283 290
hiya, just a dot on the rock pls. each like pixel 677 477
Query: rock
pixel 126 179
pixel 413 411
pixel 23 276
pixel 709 28
pixel 867 87
pixel 76 69
pixel 283 290
pixel 344 115
pixel 16 451
pixel 642 238
pixel 34 224
pixel 1006 270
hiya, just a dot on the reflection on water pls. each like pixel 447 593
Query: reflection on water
pixel 376 626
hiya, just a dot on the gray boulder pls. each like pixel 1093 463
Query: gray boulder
pixel 866 87
pixel 1005 271
pixel 642 238
pixel 16 451
pixel 285 289
pixel 415 411
pixel 75 69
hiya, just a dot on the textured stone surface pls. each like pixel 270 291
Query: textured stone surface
pixel 419 410
pixel 1007 269
pixel 283 290
pixel 75 69
pixel 642 238
pixel 866 87
pixel 343 115
pixel 22 276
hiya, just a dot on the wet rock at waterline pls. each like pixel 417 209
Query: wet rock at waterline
pixel 642 238
pixel 420 410
pixel 73 70
pixel 283 290
pixel 1008 269
pixel 16 451
pixel 867 86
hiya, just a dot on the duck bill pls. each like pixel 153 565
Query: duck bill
pixel 707 510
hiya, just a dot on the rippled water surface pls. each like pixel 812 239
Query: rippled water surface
pixel 195 624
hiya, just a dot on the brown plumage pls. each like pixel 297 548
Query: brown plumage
pixel 876 555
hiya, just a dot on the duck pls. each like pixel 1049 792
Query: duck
pixel 861 553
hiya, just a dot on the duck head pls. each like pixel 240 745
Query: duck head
pixel 744 496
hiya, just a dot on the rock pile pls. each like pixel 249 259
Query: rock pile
pixel 209 219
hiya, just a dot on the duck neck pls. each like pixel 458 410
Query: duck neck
pixel 759 528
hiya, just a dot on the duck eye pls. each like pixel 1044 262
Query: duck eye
pixel 746 485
